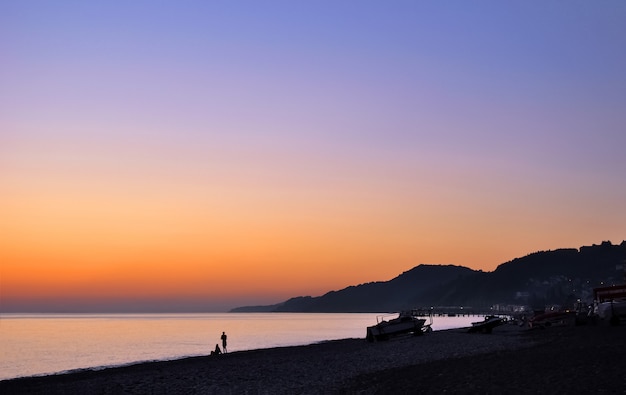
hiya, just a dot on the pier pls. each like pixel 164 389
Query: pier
pixel 459 311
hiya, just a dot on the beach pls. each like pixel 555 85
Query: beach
pixel 563 359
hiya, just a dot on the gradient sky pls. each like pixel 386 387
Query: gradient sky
pixel 210 154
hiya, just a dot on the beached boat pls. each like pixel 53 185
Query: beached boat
pixel 613 310
pixel 552 318
pixel 407 322
pixel 487 325
pixel 610 303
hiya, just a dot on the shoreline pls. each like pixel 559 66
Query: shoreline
pixel 97 368
pixel 85 368
pixel 510 355
pixel 150 361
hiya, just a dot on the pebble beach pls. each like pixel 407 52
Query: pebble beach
pixel 565 359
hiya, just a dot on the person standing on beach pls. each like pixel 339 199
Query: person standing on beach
pixel 224 341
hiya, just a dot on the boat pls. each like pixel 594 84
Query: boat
pixel 487 325
pixel 407 322
pixel 613 311
pixel 551 318
pixel 610 303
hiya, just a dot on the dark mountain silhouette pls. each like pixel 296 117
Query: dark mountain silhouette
pixel 380 296
pixel 547 277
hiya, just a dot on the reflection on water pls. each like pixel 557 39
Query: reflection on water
pixel 49 343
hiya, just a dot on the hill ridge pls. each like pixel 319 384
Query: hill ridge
pixel 560 276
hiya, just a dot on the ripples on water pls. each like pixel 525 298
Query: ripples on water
pixel 49 343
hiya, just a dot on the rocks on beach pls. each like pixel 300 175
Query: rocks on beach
pixel 558 359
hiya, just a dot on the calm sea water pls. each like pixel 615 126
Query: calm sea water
pixel 40 344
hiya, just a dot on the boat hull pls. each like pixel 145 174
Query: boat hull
pixel 612 310
pixel 552 319
pixel 385 330
pixel 487 325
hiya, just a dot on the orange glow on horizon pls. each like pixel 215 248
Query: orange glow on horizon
pixel 85 245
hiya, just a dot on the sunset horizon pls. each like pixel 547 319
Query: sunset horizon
pixel 183 303
pixel 203 156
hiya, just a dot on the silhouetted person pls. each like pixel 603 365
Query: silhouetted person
pixel 224 341
pixel 217 350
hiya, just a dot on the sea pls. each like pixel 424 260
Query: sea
pixel 43 344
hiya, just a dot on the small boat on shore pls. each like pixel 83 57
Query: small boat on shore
pixel 612 310
pixel 407 322
pixel 610 303
pixel 551 318
pixel 487 325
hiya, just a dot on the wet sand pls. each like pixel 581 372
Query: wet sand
pixel 566 359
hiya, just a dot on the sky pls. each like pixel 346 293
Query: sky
pixel 204 155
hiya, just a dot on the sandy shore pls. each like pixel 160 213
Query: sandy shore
pixel 557 359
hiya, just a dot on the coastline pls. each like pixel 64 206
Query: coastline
pixel 451 360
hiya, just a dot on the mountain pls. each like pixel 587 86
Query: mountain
pixel 560 276
pixel 390 295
